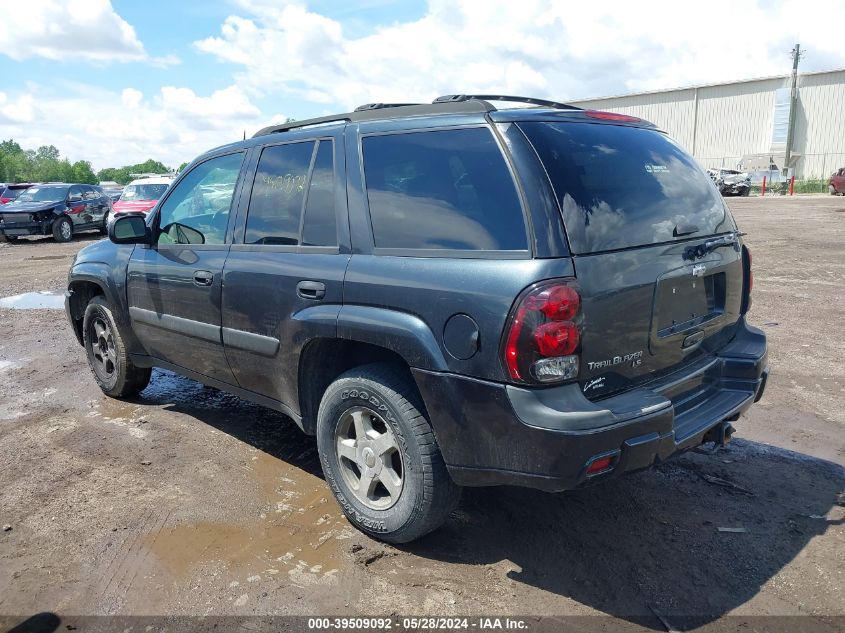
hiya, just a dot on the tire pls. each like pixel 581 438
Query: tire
pixel 108 358
pixel 746 192
pixel 389 409
pixel 10 239
pixel 62 229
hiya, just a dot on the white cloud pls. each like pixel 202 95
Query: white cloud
pixel 20 109
pixel 535 47
pixel 118 128
pixel 86 30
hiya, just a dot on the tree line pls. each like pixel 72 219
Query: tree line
pixel 45 164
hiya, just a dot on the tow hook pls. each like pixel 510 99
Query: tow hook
pixel 720 435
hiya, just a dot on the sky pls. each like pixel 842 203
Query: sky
pixel 119 82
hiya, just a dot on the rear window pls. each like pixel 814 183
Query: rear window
pixel 143 192
pixel 620 187
pixel 446 189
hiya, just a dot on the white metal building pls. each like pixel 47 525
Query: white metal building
pixel 743 123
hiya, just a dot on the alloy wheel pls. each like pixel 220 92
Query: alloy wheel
pixel 370 458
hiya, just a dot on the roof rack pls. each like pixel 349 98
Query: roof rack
pixel 372 112
pixel 448 104
pixel 379 106
pixel 295 125
pixel 538 102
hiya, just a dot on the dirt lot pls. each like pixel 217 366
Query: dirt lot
pixel 190 501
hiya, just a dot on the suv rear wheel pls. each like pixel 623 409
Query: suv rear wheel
pixel 380 457
pixel 107 355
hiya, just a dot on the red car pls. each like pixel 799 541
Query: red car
pixel 12 191
pixel 837 183
pixel 142 195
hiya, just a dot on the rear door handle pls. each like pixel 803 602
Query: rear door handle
pixel 314 290
pixel 203 277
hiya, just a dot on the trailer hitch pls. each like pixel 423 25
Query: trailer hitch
pixel 719 435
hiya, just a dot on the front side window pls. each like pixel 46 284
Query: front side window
pixel 278 193
pixel 197 211
pixel 444 189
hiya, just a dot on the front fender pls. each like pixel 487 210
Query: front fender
pixel 99 273
pixel 403 333
pixel 111 279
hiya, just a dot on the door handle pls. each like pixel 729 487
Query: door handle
pixel 314 290
pixel 203 277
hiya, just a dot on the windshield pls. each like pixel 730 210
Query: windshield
pixel 143 192
pixel 43 194
pixel 620 187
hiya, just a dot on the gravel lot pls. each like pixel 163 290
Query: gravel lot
pixel 191 501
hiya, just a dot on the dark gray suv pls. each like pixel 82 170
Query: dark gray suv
pixel 446 295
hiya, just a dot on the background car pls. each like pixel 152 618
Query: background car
pixel 837 183
pixel 9 192
pixel 731 182
pixel 57 209
pixel 142 194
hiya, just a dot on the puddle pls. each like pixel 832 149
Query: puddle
pixel 299 533
pixel 41 300
pixel 295 531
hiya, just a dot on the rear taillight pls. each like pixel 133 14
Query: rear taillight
pixel 748 279
pixel 543 334
pixel 5 200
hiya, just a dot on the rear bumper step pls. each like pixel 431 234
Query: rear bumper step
pixel 493 434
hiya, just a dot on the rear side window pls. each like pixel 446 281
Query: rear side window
pixel 320 223
pixel 620 187
pixel 447 189
pixel 278 193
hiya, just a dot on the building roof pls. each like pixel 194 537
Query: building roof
pixel 711 85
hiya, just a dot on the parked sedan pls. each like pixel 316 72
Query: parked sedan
pixel 731 182
pixel 837 183
pixel 60 210
pixel 142 195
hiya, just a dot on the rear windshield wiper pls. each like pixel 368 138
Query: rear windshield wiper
pixel 700 250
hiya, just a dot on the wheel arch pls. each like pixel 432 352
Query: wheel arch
pixel 323 360
pixel 88 280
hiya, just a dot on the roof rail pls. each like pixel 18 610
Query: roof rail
pixel 378 111
pixel 295 125
pixel 538 102
pixel 378 106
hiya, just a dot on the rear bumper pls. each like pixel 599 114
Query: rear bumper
pixel 495 434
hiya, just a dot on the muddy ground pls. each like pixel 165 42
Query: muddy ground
pixel 191 501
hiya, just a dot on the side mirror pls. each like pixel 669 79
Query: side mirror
pixel 130 229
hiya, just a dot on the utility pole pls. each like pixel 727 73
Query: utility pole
pixel 793 103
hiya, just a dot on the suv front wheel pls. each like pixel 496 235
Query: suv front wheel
pixel 380 457
pixel 108 357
